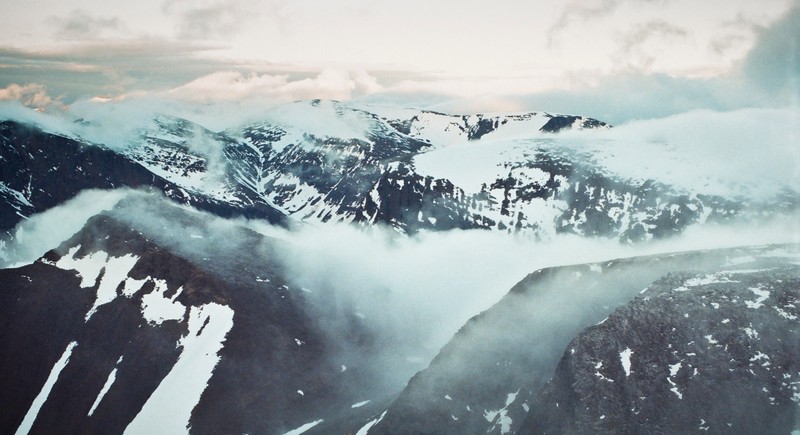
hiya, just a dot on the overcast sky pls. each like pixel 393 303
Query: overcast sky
pixel 613 59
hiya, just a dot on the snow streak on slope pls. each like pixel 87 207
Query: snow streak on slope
pixel 106 386
pixel 170 406
pixel 30 417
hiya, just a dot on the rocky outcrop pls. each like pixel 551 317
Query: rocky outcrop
pixel 39 170
pixel 716 353
pixel 497 373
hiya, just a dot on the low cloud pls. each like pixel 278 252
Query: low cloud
pixel 44 231
pixel 748 153
pixel 32 95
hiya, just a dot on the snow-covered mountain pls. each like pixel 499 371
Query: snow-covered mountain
pixel 325 161
pixel 190 302
pixel 41 169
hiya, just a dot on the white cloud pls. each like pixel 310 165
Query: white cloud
pixel 233 86
pixel 83 25
pixel 32 95
pixel 749 153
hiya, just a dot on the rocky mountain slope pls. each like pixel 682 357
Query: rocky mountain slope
pixel 715 348
pixel 39 170
pixel 324 161
pixel 715 352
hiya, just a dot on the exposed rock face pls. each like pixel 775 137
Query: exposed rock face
pixel 493 375
pixel 39 170
pixel 696 352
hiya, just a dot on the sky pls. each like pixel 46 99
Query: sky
pixel 612 59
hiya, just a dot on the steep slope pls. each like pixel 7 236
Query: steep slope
pixel 39 170
pixel 492 373
pixel 418 170
pixel 161 325
pixel 414 170
pixel 696 352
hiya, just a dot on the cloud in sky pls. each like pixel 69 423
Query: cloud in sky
pixel 82 25
pixel 209 19
pixel 774 63
pixel 31 95
pixel 233 85
pixel 611 59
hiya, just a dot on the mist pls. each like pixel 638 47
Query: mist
pixel 750 153
pixel 412 293
pixel 33 237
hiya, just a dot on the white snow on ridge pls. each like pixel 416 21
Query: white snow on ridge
pixel 468 165
pixel 88 267
pixel 116 271
pixel 322 119
pixel 41 398
pixel 169 408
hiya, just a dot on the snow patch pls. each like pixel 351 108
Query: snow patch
pixel 762 295
pixel 303 428
pixel 131 286
pixel 751 333
pixel 88 267
pixel 359 404
pixel 625 359
pixel 500 417
pixel 674 388
pixel 674 368
pixel 109 382
pixel 156 308
pixel 365 429
pixel 116 271
pixel 170 406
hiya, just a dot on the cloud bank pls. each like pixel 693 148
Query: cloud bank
pixel 752 50
pixel 412 293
